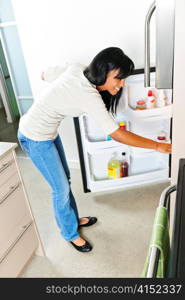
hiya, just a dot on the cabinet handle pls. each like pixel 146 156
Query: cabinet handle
pixel 11 190
pixel 25 227
pixel 6 165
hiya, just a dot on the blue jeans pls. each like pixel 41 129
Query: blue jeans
pixel 49 157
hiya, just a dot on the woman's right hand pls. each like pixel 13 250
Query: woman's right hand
pixel 164 148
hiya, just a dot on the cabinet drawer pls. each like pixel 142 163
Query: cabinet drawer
pixel 9 187
pixel 14 215
pixel 6 159
pixel 12 264
pixel 7 168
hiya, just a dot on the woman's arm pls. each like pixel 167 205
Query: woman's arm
pixel 132 139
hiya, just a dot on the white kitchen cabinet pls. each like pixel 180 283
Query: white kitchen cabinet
pixel 19 238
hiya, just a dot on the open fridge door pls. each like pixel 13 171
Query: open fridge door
pixel 144 165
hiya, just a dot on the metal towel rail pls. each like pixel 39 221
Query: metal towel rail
pixel 155 253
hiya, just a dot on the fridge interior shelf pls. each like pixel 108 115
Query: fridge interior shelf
pixel 151 114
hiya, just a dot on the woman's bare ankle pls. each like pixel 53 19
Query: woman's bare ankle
pixel 79 241
pixel 84 221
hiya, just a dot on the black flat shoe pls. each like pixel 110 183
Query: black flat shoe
pixel 85 248
pixel 92 220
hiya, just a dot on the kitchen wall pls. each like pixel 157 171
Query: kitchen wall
pixel 53 32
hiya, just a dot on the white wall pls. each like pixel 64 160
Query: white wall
pixel 54 31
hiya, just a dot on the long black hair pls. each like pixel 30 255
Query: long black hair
pixel 109 59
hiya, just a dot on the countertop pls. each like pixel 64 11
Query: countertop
pixel 6 147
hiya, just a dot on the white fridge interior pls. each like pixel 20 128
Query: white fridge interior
pixel 145 165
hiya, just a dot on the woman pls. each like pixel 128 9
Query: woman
pixel 75 90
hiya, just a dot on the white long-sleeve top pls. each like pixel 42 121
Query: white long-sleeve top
pixel 69 94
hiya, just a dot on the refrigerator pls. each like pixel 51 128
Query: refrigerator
pixel 145 166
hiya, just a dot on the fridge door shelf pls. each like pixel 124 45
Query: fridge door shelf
pixel 142 163
pixel 94 137
pixel 137 150
pixel 130 181
pixel 139 163
pixel 108 146
pixel 98 162
pixel 158 113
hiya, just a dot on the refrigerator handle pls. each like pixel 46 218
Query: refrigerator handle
pixel 147 45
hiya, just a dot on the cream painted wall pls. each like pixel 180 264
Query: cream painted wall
pixel 55 31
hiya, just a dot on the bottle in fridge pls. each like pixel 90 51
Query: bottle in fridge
pixel 114 166
pixel 151 101
pixel 124 166
pixel 122 125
